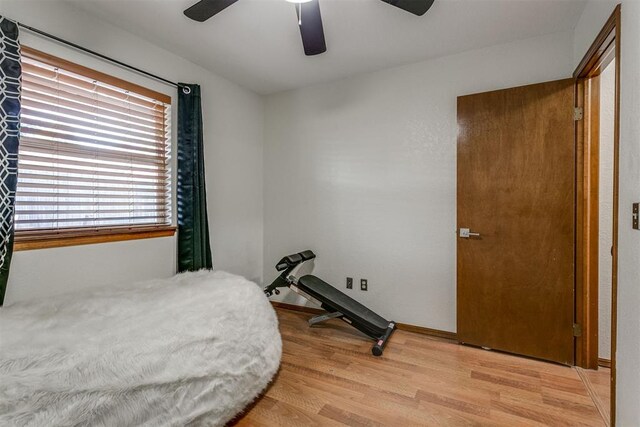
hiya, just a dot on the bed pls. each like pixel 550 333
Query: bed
pixel 191 350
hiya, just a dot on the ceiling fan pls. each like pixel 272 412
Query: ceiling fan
pixel 309 19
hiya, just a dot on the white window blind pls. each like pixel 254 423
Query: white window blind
pixel 93 154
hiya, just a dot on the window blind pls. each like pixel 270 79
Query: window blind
pixel 93 154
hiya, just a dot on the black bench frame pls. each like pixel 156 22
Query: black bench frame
pixel 287 279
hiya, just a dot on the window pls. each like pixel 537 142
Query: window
pixel 94 156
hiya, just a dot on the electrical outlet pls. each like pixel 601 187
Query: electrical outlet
pixel 364 285
pixel 636 216
pixel 349 282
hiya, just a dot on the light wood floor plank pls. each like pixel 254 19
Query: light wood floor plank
pixel 599 387
pixel 328 377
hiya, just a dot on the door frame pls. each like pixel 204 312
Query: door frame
pixel 604 49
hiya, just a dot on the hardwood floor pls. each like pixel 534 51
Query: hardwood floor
pixel 599 387
pixel 329 377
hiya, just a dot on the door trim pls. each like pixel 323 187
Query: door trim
pixel 604 49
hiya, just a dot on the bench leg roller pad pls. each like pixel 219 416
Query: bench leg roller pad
pixel 379 346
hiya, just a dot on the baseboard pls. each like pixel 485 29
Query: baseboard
pixel 428 331
pixel 605 363
pixel 401 326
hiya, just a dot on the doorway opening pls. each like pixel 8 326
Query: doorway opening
pixel 597 125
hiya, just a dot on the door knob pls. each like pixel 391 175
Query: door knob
pixel 466 233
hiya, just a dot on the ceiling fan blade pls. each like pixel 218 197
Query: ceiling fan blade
pixel 417 7
pixel 205 9
pixel 310 23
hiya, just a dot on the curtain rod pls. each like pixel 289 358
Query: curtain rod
pixel 94 53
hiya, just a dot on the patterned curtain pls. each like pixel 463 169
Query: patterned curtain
pixel 194 251
pixel 10 72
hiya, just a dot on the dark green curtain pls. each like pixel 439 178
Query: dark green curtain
pixel 194 250
pixel 10 72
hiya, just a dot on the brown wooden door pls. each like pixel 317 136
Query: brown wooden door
pixel 516 189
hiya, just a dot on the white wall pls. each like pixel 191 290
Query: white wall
pixel 363 171
pixel 42 273
pixel 605 214
pixel 628 339
pixel 233 129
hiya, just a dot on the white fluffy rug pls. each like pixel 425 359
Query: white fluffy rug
pixel 191 350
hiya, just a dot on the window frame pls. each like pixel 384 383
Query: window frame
pixel 53 238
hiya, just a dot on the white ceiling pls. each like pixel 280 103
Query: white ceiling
pixel 256 43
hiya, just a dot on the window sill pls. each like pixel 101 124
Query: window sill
pixel 31 240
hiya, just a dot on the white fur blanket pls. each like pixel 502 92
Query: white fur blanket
pixel 191 350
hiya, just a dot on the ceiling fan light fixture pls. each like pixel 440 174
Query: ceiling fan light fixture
pixel 298 1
